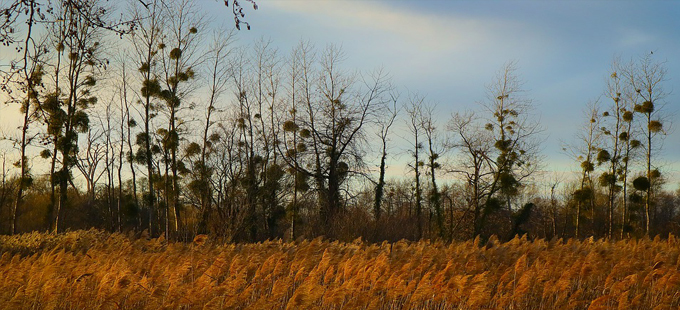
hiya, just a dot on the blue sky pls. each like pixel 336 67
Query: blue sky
pixel 449 50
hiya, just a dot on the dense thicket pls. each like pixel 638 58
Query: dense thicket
pixel 159 123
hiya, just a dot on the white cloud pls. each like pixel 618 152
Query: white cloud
pixel 423 31
pixel 420 49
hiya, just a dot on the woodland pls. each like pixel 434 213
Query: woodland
pixel 156 123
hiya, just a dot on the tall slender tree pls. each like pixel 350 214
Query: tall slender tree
pixel 22 83
pixel 385 124
pixel 147 40
pixel 631 145
pixel 434 151
pixel 610 153
pixel 291 148
pixel 585 152
pixel 415 112
pixel 647 78
pixel 80 39
pixel 218 77
pixel 178 59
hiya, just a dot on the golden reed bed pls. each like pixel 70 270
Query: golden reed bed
pixel 96 270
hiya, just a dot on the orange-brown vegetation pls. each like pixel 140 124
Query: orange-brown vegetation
pixel 97 270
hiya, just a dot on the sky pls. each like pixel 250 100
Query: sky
pixel 449 51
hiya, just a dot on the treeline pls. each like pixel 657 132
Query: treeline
pixel 169 127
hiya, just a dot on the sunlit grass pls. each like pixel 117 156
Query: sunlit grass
pixel 97 270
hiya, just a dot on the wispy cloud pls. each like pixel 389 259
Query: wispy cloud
pixel 635 37
pixel 419 46
pixel 427 31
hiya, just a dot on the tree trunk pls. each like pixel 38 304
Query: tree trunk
pixel 23 177
pixel 379 188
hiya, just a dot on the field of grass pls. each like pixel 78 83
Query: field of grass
pixel 97 270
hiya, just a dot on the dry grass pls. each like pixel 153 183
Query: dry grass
pixel 95 270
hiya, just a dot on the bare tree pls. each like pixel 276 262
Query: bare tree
pixel 89 158
pixel 584 151
pixel 647 78
pixel 498 157
pixel 415 115
pixel 101 148
pixel 514 130
pixel 631 142
pixel 249 143
pixel 475 148
pixel 554 205
pixel 266 82
pixel 127 122
pixel 79 40
pixel 384 125
pixel 610 152
pixel 179 60
pixel 22 83
pixel 291 147
pixel 146 41
pixel 218 77
pixel 434 151
pixel 332 119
